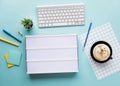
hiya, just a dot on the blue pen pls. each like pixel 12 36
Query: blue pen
pixel 12 35
pixel 87 35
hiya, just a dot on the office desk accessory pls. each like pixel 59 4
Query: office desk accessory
pixel 27 23
pixel 51 54
pixel 105 33
pixel 8 33
pixel 87 35
pixel 6 58
pixel 61 15
pixel 20 33
pixel 14 57
pixel 9 42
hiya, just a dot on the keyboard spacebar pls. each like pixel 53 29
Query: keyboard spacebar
pixel 59 24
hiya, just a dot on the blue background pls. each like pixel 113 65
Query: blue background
pixel 11 14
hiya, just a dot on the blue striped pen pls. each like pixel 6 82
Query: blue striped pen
pixel 11 35
pixel 87 35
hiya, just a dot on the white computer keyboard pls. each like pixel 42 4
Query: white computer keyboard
pixel 61 15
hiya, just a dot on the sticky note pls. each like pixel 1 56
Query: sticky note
pixel 14 57
pixel 6 58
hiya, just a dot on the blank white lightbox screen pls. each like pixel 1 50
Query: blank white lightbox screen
pixel 51 54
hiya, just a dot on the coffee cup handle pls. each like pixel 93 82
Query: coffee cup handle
pixel 111 58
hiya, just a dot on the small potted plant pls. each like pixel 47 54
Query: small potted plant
pixel 27 23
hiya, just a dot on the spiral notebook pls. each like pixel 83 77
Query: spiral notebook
pixel 104 33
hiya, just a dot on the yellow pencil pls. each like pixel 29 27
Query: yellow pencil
pixel 7 41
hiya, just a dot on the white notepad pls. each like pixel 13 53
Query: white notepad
pixel 51 54
pixel 104 33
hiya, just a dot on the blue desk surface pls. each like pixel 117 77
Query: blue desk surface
pixel 11 14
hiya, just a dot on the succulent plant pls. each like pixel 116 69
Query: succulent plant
pixel 27 23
